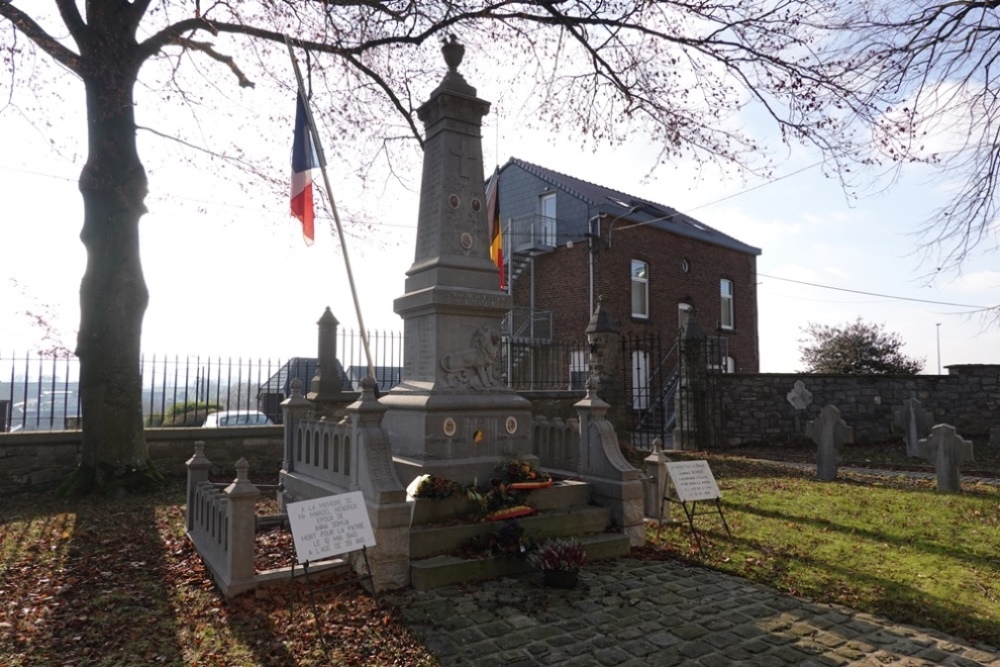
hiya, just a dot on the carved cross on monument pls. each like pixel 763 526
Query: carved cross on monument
pixel 829 432
pixel 947 450
pixel 465 159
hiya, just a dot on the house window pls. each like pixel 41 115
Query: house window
pixel 578 370
pixel 640 289
pixel 547 213
pixel 640 380
pixel 718 358
pixel 726 294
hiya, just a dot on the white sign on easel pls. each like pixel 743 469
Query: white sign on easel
pixel 330 526
pixel 693 481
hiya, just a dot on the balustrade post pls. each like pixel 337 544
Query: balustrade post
pixel 198 467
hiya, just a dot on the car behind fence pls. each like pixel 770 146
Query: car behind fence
pixel 42 392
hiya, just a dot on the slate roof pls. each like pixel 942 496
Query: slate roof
pixel 386 377
pixel 616 203
pixel 303 368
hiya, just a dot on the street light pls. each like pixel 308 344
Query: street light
pixel 938 325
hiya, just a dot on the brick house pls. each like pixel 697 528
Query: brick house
pixel 568 242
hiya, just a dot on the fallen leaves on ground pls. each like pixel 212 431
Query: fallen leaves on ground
pixel 102 582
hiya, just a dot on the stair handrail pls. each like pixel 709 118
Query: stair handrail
pixel 668 388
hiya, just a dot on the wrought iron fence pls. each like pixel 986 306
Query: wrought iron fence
pixel 552 366
pixel 40 392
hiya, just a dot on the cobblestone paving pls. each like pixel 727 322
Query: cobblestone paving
pixel 631 613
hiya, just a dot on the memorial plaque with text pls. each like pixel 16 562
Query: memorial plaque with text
pixel 693 481
pixel 330 526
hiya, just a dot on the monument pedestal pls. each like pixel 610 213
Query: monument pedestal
pixel 454 435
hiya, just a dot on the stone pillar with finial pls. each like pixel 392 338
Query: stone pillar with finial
pixel 242 495
pixel 326 390
pixel 614 482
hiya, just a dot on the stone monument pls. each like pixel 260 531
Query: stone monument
pixel 452 414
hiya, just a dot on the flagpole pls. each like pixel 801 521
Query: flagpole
pixel 333 207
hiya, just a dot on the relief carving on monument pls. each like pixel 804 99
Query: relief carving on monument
pixel 478 366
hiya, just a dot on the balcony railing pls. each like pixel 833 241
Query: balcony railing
pixel 531 234
pixel 528 324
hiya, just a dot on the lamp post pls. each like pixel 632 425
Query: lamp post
pixel 938 326
pixel 591 250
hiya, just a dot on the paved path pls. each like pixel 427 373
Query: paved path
pixel 632 613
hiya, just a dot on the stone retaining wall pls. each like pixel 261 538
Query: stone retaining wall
pixel 45 457
pixel 36 458
pixel 755 407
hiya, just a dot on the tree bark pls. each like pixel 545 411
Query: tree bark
pixel 113 294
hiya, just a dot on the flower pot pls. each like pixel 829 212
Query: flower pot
pixel 560 578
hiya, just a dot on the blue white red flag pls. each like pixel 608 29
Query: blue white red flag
pixel 304 160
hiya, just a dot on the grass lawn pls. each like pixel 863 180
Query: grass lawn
pixel 889 546
pixel 103 581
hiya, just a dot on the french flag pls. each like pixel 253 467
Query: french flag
pixel 304 160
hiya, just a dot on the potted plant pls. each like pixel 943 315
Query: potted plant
pixel 560 561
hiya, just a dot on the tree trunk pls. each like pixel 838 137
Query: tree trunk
pixel 113 294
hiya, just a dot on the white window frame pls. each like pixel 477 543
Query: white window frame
pixel 641 283
pixel 547 215
pixel 728 302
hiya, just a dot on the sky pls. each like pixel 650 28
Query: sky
pixel 229 274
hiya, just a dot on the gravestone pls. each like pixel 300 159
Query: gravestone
pixel 452 415
pixel 800 398
pixel 829 432
pixel 915 422
pixel 947 450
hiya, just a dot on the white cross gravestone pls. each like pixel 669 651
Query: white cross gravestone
pixel 329 526
pixel 947 450
pixel 800 397
pixel 829 432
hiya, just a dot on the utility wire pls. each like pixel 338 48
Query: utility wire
pixel 884 296
pixel 639 224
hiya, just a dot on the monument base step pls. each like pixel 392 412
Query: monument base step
pixel 435 572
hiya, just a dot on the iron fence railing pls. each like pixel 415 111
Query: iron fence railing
pixel 42 392
pixel 551 366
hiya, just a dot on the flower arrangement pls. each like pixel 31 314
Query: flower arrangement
pixel 435 486
pixel 563 555
pixel 499 502
pixel 520 474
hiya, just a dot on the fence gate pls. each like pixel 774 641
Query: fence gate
pixel 671 390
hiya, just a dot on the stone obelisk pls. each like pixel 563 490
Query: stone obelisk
pixel 452 414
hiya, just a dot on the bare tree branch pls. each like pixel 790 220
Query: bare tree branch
pixel 25 24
